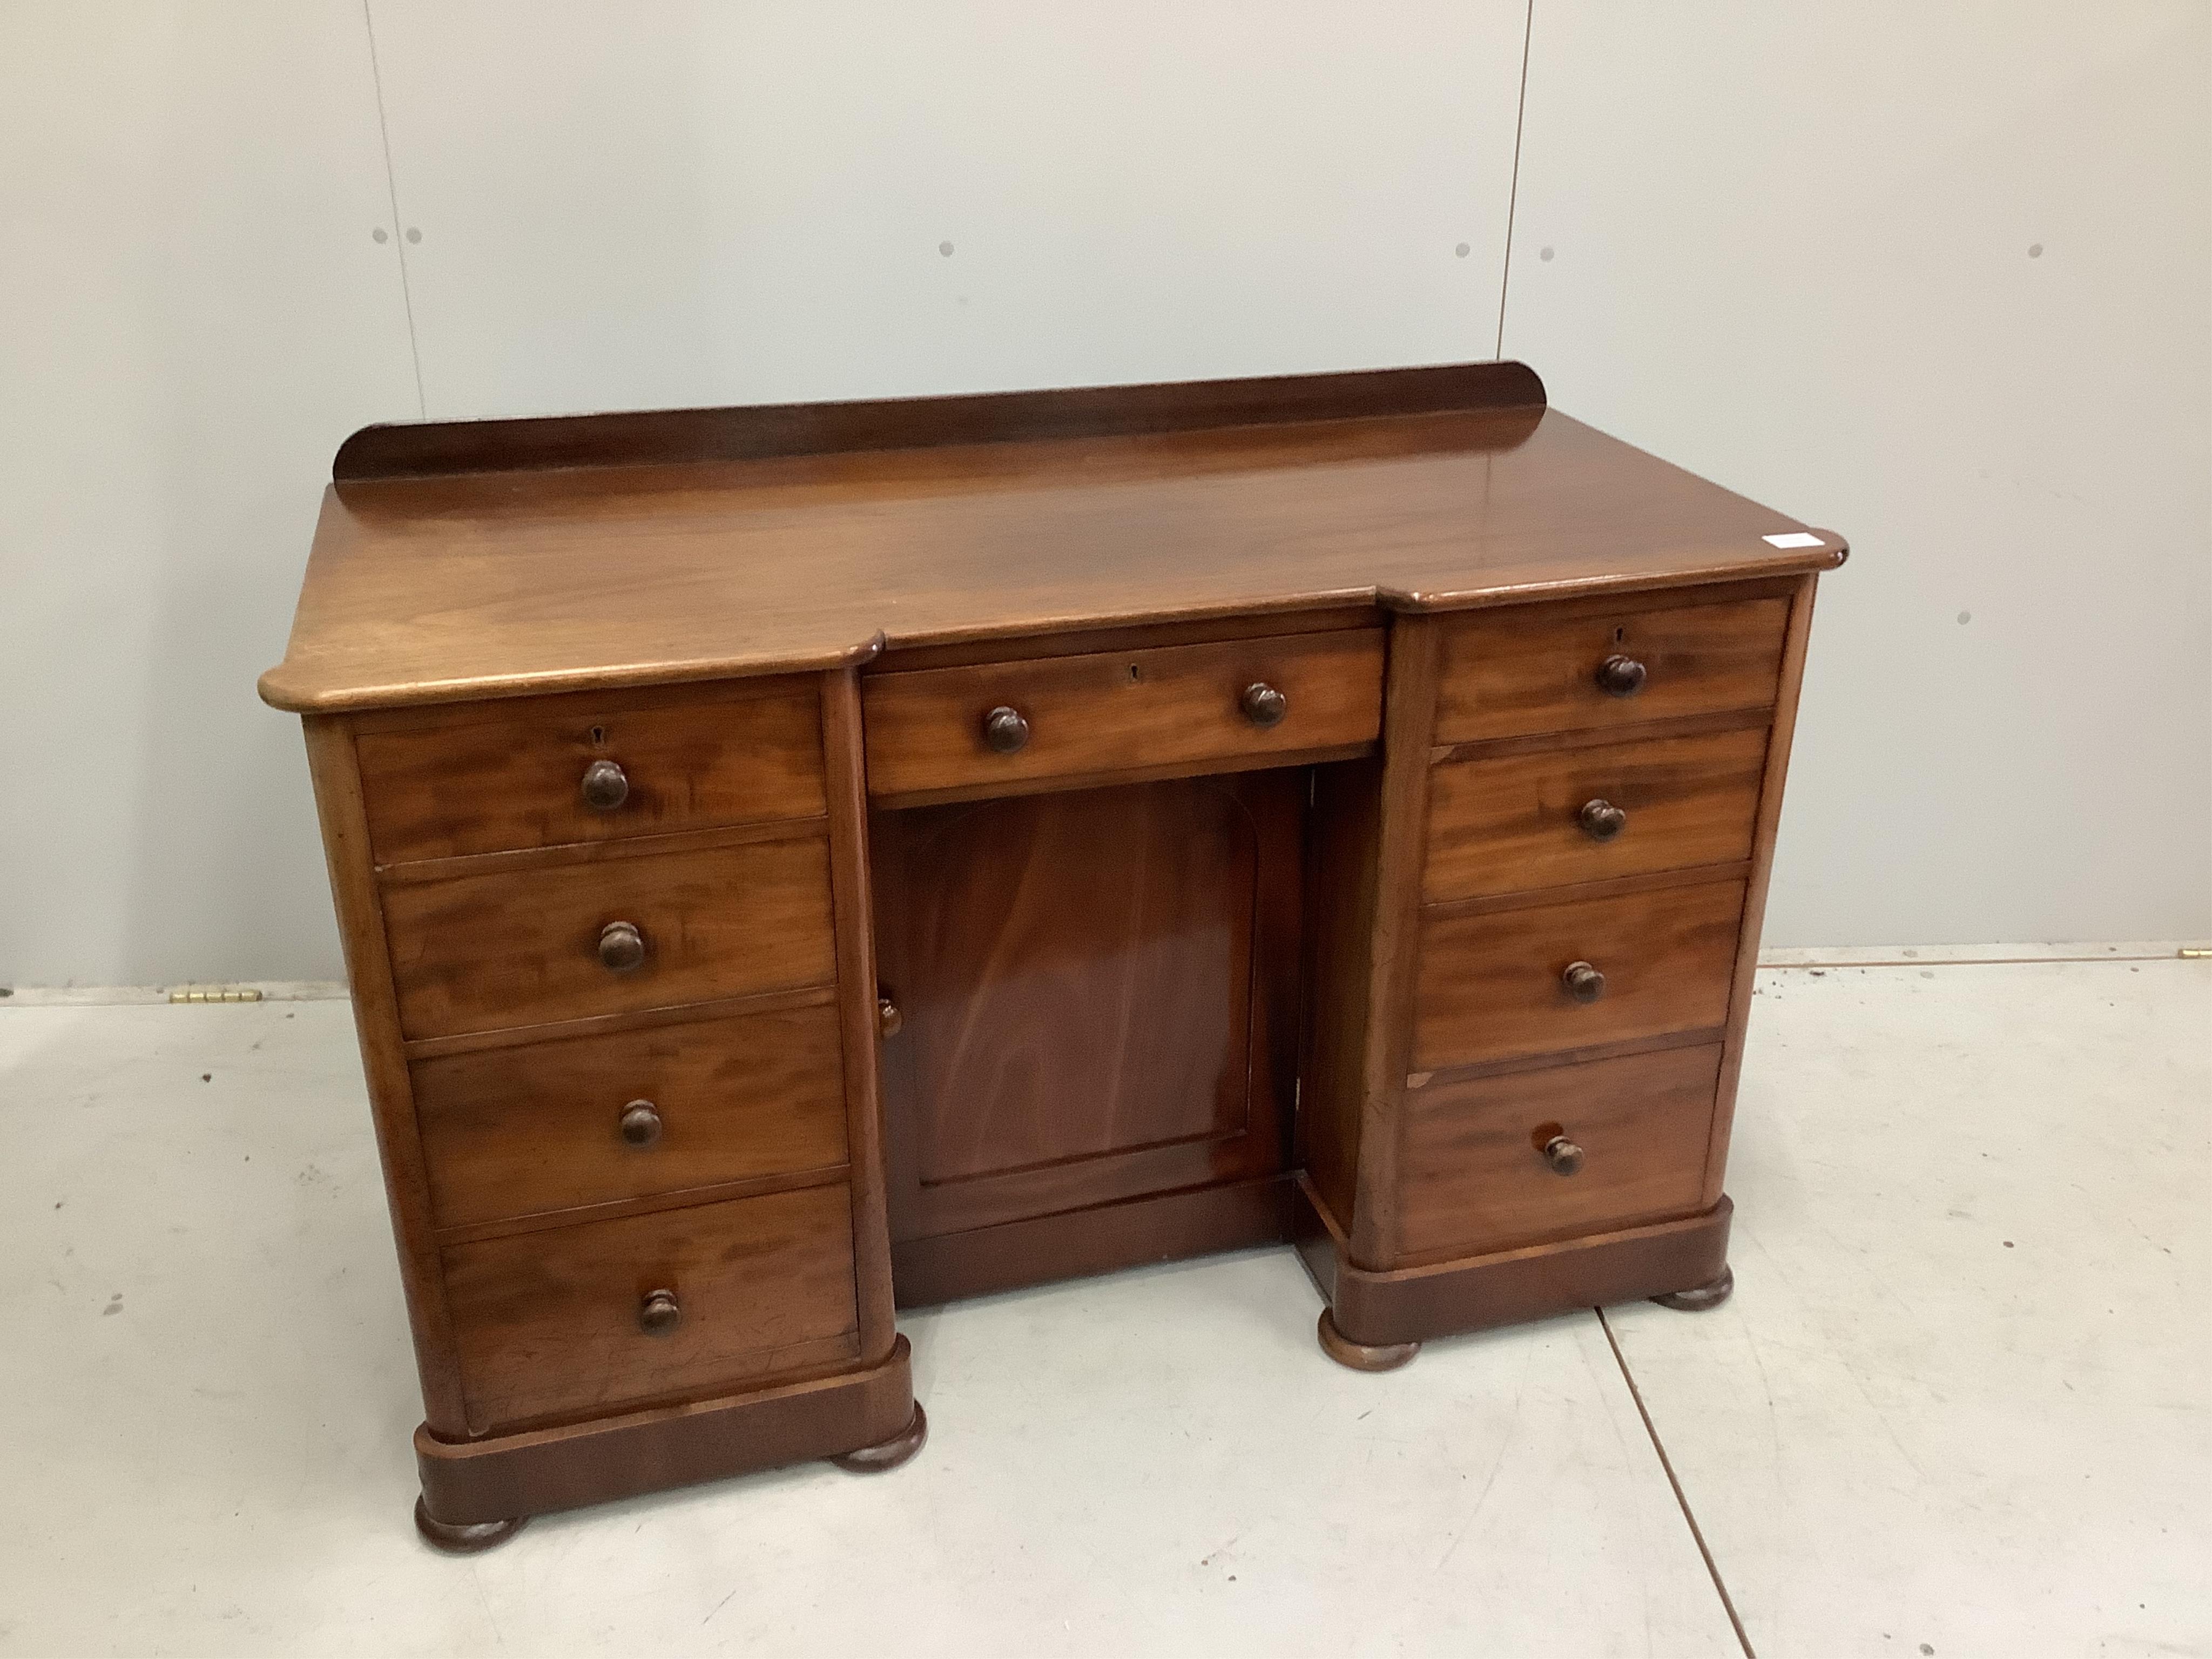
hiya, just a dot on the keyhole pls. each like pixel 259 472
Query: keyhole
pixel 1618 634
pixel 598 736
pixel 1135 673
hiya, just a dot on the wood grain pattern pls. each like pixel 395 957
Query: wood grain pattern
pixel 1489 987
pixel 843 553
pixel 1513 823
pixel 1174 706
pixel 548 1321
pixel 650 437
pixel 510 775
pixel 1476 1179
pixel 1507 672
pixel 479 951
pixel 1099 992
pixel 516 1132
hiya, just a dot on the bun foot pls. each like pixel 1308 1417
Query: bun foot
pixel 471 1538
pixel 1388 1357
pixel 1698 1297
pixel 888 1453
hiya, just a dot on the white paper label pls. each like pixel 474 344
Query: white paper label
pixel 1794 538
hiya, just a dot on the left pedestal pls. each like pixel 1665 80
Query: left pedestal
pixel 616 999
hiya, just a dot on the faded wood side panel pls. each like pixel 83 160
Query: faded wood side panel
pixel 384 1060
pixel 1746 967
pixel 1416 657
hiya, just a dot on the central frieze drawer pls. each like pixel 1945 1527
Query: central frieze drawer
pixel 1232 704
pixel 538 1126
pixel 608 935
pixel 584 1320
pixel 1510 983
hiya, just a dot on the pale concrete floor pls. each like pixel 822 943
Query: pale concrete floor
pixel 1959 1405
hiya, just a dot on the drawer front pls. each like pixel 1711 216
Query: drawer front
pixel 1127 711
pixel 1525 670
pixel 551 1324
pixel 591 1120
pixel 1477 1176
pixel 1521 822
pixel 504 776
pixel 1492 985
pixel 482 952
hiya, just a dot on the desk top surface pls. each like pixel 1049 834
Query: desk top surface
pixel 498 558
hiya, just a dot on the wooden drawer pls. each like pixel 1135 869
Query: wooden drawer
pixel 547 1323
pixel 521 1131
pixel 1119 712
pixel 489 777
pixel 1476 1177
pixel 485 952
pixel 1520 822
pixel 1492 988
pixel 1533 668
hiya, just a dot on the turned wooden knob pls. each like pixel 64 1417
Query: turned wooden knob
pixel 1583 982
pixel 1563 1155
pixel 606 785
pixel 888 1018
pixel 622 947
pixel 659 1313
pixel 1621 676
pixel 1601 820
pixel 1263 705
pixel 640 1123
pixel 1004 730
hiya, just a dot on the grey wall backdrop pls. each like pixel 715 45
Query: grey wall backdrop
pixel 1937 274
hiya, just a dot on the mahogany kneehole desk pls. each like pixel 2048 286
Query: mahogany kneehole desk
pixel 798 861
